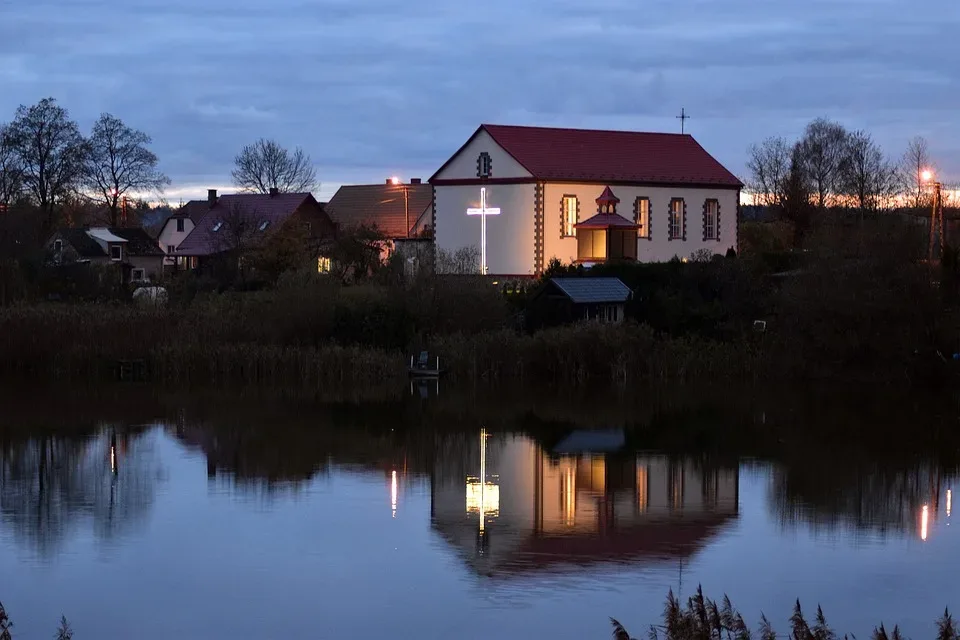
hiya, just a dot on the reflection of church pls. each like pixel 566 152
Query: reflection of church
pixel 509 506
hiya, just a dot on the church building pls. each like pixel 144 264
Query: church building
pixel 525 195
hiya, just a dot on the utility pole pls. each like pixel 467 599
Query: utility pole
pixel 936 221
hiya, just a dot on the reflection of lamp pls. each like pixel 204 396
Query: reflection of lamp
pixel 949 501
pixel 483 497
pixel 113 453
pixel 924 522
pixel 568 490
pixel 393 493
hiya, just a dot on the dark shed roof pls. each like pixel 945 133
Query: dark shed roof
pixel 592 290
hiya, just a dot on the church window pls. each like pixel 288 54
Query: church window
pixel 676 219
pixel 643 217
pixel 570 213
pixel 484 165
pixel 711 210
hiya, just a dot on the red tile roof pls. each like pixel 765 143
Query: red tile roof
pixel 252 209
pixel 381 205
pixel 610 156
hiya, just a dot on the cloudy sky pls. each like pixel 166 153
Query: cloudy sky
pixel 372 88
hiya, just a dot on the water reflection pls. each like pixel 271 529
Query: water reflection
pixel 527 509
pixel 875 499
pixel 50 486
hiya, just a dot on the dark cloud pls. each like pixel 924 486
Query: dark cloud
pixel 376 87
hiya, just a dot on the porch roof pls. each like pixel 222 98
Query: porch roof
pixel 607 221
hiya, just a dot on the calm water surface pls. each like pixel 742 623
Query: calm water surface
pixel 206 519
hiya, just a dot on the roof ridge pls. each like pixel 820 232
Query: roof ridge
pixel 587 130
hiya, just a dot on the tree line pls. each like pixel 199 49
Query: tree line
pixel 45 161
pixel 832 166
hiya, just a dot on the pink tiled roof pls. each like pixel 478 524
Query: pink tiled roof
pixel 610 156
pixel 253 209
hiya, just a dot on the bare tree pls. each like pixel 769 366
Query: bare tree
pixel 796 206
pixel 118 162
pixel 866 175
pixel 11 170
pixel 916 160
pixel 769 165
pixel 235 235
pixel 266 165
pixel 51 152
pixel 821 154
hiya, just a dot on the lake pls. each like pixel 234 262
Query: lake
pixel 470 514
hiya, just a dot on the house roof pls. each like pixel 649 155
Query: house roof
pixel 136 241
pixel 555 154
pixel 381 205
pixel 252 209
pixel 139 242
pixel 83 244
pixel 195 210
pixel 104 234
pixel 593 290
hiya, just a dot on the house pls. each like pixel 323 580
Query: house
pixel 510 508
pixel 178 226
pixel 235 223
pixel 562 300
pixel 131 249
pixel 525 195
pixel 403 213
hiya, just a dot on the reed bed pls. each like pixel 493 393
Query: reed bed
pixel 703 619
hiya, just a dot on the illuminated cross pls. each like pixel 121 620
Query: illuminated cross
pixel 483 212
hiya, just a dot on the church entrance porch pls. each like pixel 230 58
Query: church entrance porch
pixel 607 235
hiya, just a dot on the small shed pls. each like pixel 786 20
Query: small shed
pixel 563 300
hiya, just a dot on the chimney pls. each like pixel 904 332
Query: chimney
pixel 211 197
pixel 274 191
pixel 389 181
pixel 414 180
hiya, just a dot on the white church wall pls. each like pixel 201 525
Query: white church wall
pixel 464 165
pixel 510 235
pixel 659 248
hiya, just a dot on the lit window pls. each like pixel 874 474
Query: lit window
pixel 569 210
pixel 116 252
pixel 643 217
pixel 264 225
pixel 676 219
pixel 217 226
pixel 710 210
pixel 323 265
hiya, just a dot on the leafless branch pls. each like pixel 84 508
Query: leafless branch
pixel 266 165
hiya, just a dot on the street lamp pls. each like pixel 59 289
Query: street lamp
pixel 395 181
pixel 936 211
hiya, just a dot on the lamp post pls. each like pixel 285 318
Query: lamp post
pixel 395 181
pixel 936 213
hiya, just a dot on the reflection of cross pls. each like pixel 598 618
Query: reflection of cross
pixel 683 117
pixel 483 212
